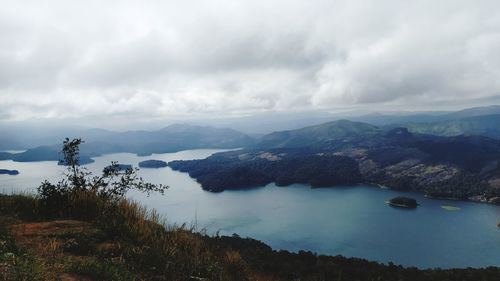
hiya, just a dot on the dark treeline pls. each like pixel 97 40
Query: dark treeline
pixel 219 173
pixel 345 153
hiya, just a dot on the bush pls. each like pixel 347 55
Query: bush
pixel 81 194
pixel 22 206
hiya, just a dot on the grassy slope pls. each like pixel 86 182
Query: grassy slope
pixel 90 239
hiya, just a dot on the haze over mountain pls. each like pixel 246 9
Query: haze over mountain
pixel 398 117
pixel 169 139
pixel 478 120
pixel 349 96
pixel 487 125
pixel 346 153
pixel 319 135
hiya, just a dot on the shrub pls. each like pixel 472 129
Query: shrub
pixel 81 194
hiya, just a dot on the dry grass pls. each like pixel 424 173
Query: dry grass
pixel 117 240
pixel 125 241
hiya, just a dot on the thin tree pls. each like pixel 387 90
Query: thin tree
pixel 112 184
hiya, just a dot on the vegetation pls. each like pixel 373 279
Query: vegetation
pixel 83 227
pixel 115 181
pixel 152 164
pixel 486 125
pixel 127 242
pixel 285 167
pixel 344 152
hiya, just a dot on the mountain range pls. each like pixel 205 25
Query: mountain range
pixel 445 154
pixel 346 153
pixel 484 125
pixel 169 139
pixel 22 135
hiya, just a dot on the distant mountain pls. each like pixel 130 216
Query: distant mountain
pixel 21 137
pixel 345 152
pixel 472 112
pixel 169 139
pixel 8 142
pixel 398 118
pixel 43 153
pixel 265 123
pixel 172 138
pixel 487 125
pixel 319 134
pixel 382 119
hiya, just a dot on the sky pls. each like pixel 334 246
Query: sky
pixel 151 60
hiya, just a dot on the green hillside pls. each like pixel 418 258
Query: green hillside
pixel 319 134
pixel 488 125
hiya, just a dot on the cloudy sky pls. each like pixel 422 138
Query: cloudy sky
pixel 179 59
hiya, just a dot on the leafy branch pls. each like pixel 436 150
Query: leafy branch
pixel 112 184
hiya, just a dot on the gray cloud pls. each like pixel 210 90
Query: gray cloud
pixel 162 59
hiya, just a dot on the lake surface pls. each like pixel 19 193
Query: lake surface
pixel 349 221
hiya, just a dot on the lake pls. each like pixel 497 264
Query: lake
pixel 349 221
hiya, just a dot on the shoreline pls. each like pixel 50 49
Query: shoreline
pixel 473 199
pixel 245 241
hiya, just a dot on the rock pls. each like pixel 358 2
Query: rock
pixel 9 172
pixel 494 200
pixel 152 164
pixel 403 202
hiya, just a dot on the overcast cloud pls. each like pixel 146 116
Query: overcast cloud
pixel 162 59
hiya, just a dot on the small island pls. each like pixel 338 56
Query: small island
pixel 81 161
pixel 9 172
pixel 403 202
pixel 152 164
pixel 119 167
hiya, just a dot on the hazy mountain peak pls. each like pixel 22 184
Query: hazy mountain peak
pixel 474 111
pixel 182 127
pixel 314 135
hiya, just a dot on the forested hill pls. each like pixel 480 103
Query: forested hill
pixel 344 152
pixel 169 139
pixel 488 125
pixel 319 135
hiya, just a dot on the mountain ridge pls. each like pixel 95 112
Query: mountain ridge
pixel 169 139
pixel 486 125
pixel 462 167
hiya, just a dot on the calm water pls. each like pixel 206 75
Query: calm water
pixel 349 221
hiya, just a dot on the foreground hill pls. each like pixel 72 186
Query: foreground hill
pixel 169 139
pixel 119 240
pixel 83 228
pixel 344 152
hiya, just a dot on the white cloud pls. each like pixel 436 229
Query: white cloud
pixel 155 59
